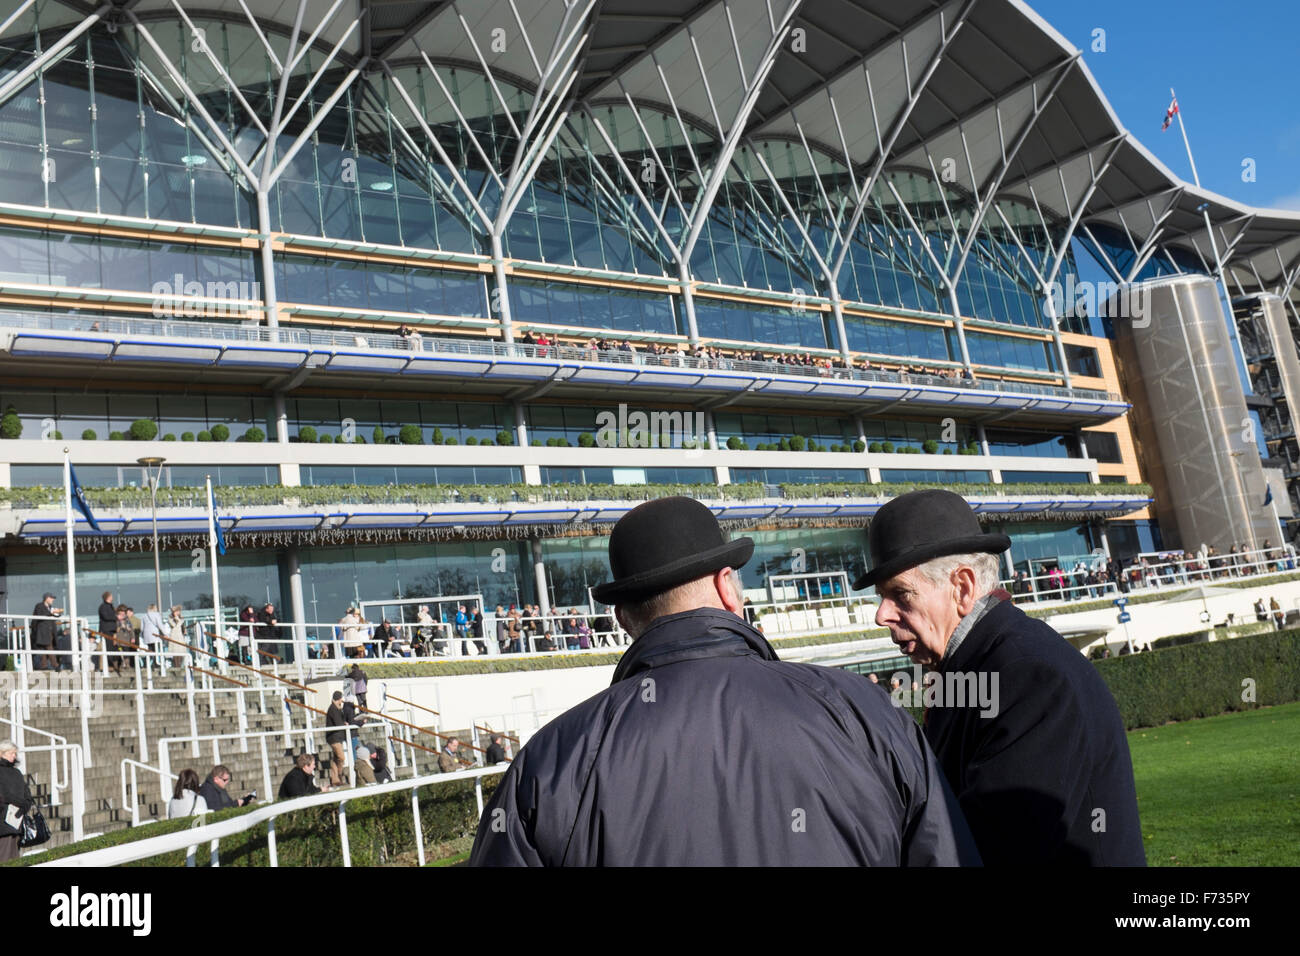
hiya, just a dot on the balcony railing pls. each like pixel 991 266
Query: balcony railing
pixel 324 339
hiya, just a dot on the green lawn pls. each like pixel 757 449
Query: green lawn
pixel 1223 791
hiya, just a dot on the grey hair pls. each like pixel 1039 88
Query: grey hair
pixel 938 571
pixel 7 745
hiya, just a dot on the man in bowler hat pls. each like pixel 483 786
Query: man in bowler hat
pixel 1044 774
pixel 707 750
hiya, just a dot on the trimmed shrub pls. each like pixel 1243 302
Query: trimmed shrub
pixel 485 441
pixel 887 447
pixel 142 429
pixel 326 439
pixel 784 444
pixel 859 446
pixel 220 433
pixel 471 440
pixel 378 435
pixel 57 436
pixel 875 448
pixel 585 440
pixel 307 435
pixel 187 436
pixel 451 440
pixel 929 446
pixel 798 443
pixel 505 438
pixel 411 435
pixel 204 435
pixel 89 435
pixel 438 438
pixel 11 426
pixel 536 443
pixel 169 437
pixel 1201 680
pixel 116 436
pixel 254 435
pixel 735 443
pixel 947 451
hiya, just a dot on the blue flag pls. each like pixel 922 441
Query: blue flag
pixel 216 523
pixel 79 500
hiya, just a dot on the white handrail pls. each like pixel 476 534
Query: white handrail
pixel 169 842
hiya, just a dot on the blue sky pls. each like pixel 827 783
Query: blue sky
pixel 1234 68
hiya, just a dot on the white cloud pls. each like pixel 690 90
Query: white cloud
pixel 1291 201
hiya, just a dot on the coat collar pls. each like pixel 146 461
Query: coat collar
pixel 692 635
pixel 996 618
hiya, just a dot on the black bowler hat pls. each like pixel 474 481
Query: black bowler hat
pixel 666 542
pixel 920 525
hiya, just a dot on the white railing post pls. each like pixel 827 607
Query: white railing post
pixel 143 748
pixel 343 833
pixel 189 703
pixel 78 795
pixel 419 833
pixel 243 719
pixel 165 768
pixel 267 794
pixel 270 842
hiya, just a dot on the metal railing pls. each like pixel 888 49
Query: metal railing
pixel 371 340
pixel 215 832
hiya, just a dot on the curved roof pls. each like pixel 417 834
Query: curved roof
pixel 985 91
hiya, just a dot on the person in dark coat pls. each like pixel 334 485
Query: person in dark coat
pixel 13 793
pixel 496 753
pixel 43 629
pixel 269 632
pixel 1024 726
pixel 301 780
pixel 708 750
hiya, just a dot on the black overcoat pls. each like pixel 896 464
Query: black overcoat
pixel 707 750
pixel 1047 779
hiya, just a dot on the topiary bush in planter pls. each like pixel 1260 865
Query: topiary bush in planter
pixel 505 438
pixel 930 446
pixel 326 439
pixel 57 436
pixel 798 443
pixel 536 443
pixel 451 440
pixel 11 426
pixel 255 434
pixel 471 440
pixel 887 447
pixel 142 429
pixel 736 443
pixel 859 445
pixel 219 432
pixel 410 435
pixel 169 437
pixel 116 436
pixel 875 448
pixel 187 436
pixel 204 435
pixel 307 435
pixel 485 441
pixel 438 437
pixel 378 435
pixel 586 440
pixel 89 435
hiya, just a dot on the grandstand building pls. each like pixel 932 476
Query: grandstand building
pixel 436 291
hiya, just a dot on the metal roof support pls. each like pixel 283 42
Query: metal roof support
pixel 1101 251
pixel 252 21
pixel 206 49
pixel 885 144
pixel 1157 229
pixel 13 17
pixel 19 79
pixel 990 188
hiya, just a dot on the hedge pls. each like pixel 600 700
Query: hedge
pixel 890 489
pixel 380 829
pixel 1201 680
pixel 423 667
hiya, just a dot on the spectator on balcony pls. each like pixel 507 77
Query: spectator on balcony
pixel 361 761
pixel 1279 618
pixel 496 752
pixel 351 625
pixel 176 632
pixel 152 629
pixel 186 801
pixel 300 781
pixel 248 625
pixel 123 640
pixel 461 622
pixel 107 616
pixel 424 631
pixel 386 637
pixel 43 626
pixel 476 630
pixel 379 762
pixel 269 632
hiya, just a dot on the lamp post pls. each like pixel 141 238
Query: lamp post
pixel 153 470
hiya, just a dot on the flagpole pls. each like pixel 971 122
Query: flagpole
pixel 1183 129
pixel 75 640
pixel 212 547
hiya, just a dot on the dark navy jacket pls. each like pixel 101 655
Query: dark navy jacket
pixel 707 750
pixel 1047 780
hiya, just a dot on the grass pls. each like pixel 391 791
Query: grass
pixel 1222 791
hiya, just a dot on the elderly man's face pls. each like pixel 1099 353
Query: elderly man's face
pixel 921 616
